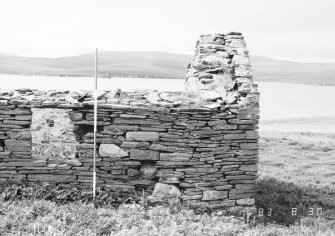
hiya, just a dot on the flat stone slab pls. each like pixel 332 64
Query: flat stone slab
pixel 134 145
pixel 245 202
pixel 111 150
pixel 166 190
pixel 253 167
pixel 16 112
pixel 24 163
pixel 142 136
pixel 18 143
pixel 144 155
pixel 52 178
pixel 19 135
pixel 5 154
pixel 23 117
pixel 175 156
pixel 209 195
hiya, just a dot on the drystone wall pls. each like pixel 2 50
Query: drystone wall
pixel 200 149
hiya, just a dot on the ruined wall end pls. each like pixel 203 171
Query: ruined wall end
pixel 221 71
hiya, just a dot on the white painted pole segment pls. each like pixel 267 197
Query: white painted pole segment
pixel 95 94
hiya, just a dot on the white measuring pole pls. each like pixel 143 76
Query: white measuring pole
pixel 95 122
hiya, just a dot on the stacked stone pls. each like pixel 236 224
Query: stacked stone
pixel 209 154
pixel 221 70
pixel 16 161
pixel 15 139
pixel 124 137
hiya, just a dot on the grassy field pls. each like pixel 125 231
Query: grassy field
pixel 296 171
pixel 305 159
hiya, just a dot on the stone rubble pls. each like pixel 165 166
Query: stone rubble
pixel 221 69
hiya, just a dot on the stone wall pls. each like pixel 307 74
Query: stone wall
pixel 210 155
pixel 200 149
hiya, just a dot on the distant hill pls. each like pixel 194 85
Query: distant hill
pixel 273 70
pixel 161 65
pixel 114 63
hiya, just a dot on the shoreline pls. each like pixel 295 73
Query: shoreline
pixel 149 77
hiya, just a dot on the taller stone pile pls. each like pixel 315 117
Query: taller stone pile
pixel 221 70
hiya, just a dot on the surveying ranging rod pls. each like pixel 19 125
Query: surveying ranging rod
pixel 95 94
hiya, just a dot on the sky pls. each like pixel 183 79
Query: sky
pixel 298 30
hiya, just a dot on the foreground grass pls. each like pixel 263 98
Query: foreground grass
pixel 47 218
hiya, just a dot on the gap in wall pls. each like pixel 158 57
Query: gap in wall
pixel 52 135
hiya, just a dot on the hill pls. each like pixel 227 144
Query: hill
pixel 161 65
pixel 272 70
pixel 115 63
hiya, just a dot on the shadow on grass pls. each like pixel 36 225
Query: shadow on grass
pixel 286 203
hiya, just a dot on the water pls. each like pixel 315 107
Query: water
pixel 282 100
pixel 87 83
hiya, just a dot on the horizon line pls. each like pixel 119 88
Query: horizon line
pixel 167 52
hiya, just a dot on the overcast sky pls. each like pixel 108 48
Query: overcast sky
pixel 300 30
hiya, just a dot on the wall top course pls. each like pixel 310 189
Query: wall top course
pixel 150 100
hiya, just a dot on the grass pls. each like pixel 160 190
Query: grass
pixel 47 218
pixel 296 171
pixel 305 159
